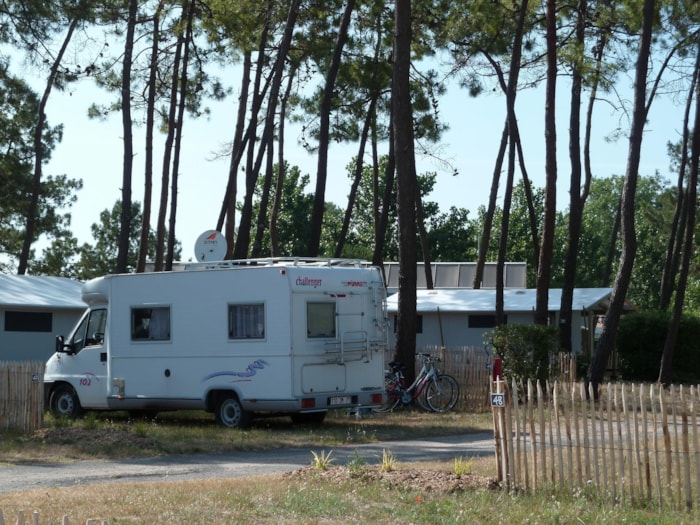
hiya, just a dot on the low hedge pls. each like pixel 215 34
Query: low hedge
pixel 640 342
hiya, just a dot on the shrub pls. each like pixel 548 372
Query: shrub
pixel 525 350
pixel 640 341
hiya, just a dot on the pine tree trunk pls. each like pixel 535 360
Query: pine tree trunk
pixel 666 371
pixel 148 165
pixel 178 139
pixel 125 219
pixel 314 245
pixel 606 343
pixel 576 201
pixel 407 188
pixel 544 267
pixel 33 210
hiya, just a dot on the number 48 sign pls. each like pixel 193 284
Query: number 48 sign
pixel 498 400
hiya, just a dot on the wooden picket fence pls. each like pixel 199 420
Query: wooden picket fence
pixel 21 395
pixel 471 367
pixel 636 444
pixel 22 520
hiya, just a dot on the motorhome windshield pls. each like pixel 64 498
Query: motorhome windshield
pixel 90 331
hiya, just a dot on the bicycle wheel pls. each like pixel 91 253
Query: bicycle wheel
pixel 442 393
pixel 421 399
pixel 392 395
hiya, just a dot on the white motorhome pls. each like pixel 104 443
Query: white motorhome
pixel 237 338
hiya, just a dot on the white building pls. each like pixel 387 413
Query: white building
pixel 461 317
pixel 33 310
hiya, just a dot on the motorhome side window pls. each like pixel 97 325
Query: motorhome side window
pixel 246 321
pixel 320 319
pixel 150 324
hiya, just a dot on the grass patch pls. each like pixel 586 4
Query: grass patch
pixel 462 466
pixel 116 435
pixel 323 460
pixel 389 462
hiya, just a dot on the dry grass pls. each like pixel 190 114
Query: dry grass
pixel 413 493
pixel 114 436
pixel 337 495
pixel 273 499
pixel 356 492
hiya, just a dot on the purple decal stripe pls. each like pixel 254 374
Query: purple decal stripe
pixel 250 371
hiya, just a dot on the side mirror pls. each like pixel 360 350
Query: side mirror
pixel 61 346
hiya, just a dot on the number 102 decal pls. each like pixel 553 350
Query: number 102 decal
pixel 87 378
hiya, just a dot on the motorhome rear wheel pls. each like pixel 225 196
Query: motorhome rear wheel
pixel 230 413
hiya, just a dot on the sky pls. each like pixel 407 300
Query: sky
pixel 92 151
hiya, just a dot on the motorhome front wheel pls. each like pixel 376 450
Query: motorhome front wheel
pixel 64 402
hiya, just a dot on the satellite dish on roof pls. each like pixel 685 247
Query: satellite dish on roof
pixel 210 246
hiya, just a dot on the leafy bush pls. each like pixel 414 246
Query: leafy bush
pixel 640 343
pixel 525 350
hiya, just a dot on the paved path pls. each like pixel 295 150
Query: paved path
pixel 14 478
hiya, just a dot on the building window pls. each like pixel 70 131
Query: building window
pixel 484 321
pixel 246 321
pixel 150 324
pixel 419 323
pixel 28 321
pixel 320 320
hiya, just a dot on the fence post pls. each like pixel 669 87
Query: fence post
pixel 499 402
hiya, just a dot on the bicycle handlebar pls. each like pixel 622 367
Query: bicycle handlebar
pixel 397 366
pixel 428 357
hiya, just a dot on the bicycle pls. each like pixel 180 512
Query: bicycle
pixel 432 391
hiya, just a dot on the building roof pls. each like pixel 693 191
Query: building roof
pixel 40 291
pixel 515 300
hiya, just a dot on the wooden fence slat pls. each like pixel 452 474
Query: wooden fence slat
pixel 586 441
pixel 510 453
pixel 566 410
pixel 676 447
pixel 686 464
pixel 533 436
pixel 577 438
pixel 593 403
pixel 603 448
pixel 631 448
pixel 638 492
pixel 656 407
pixel 518 438
pixel 542 431
pixel 645 445
pixel 558 419
pixel 618 415
pixel 667 444
pixel 694 422
pixel 611 441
